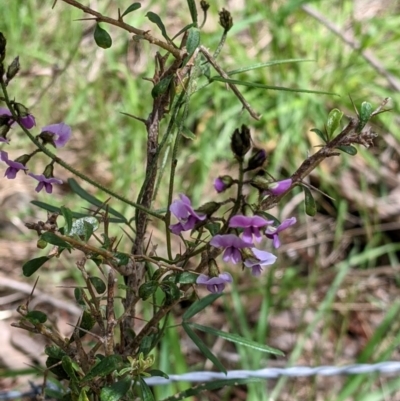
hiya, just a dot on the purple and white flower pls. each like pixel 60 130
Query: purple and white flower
pixel 215 284
pixel 232 244
pixel 251 226
pixel 273 232
pixel 187 217
pixel 261 259
pixel 13 166
pixel 45 182
pixel 56 134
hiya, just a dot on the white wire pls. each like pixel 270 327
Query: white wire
pixel 267 373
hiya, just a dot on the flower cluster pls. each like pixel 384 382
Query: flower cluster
pixel 55 134
pixel 236 248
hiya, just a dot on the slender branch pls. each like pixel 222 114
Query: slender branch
pixel 235 90
pixel 170 48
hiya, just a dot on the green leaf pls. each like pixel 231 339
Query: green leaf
pixel 262 86
pixel 267 64
pixel 184 29
pixel 333 123
pixel 58 369
pixel 199 305
pixel 235 338
pixel 155 19
pixel 52 238
pixel 116 390
pixel 84 227
pixel 67 214
pixel 32 265
pixel 69 368
pixel 193 11
pixel 365 115
pixel 75 215
pixel 321 134
pixel 36 316
pixel 146 344
pixel 83 396
pixel 98 284
pixel 131 8
pixel 161 87
pixel 186 278
pixel 78 294
pixel 121 258
pixel 311 207
pixel 171 291
pixel 202 347
pixel 213 228
pixel 76 188
pixel 147 394
pixel 351 150
pixel 187 133
pixel 146 290
pixel 102 37
pixel 54 352
pixel 106 366
pixel 87 323
pixel 156 372
pixel 210 386
pixel 192 43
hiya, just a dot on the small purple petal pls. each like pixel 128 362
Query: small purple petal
pixel 214 284
pixel 28 122
pixel 4 140
pixel 13 167
pixel 45 182
pixel 279 187
pixel 228 240
pixel 287 223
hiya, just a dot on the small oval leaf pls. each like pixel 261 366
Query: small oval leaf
pixel 155 19
pixel 98 284
pixel 161 87
pixel 78 294
pixel 147 394
pixel 365 114
pixel 351 150
pixel 146 290
pixel 53 239
pixel 186 278
pixel 192 43
pixel 36 316
pixel 311 207
pixel 321 134
pixel 116 391
pixel 81 229
pixel 131 8
pixel 102 37
pixel 334 118
pixel 106 366
pixel 34 264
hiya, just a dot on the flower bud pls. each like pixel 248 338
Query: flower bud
pixel 208 208
pixel 213 270
pixel 241 141
pixel 225 19
pixel 48 171
pixel 21 110
pixel 260 183
pixel 24 159
pixel 13 69
pixel 257 160
pixel 223 183
pixel 41 243
pixel 205 5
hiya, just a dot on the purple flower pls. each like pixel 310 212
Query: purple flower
pixel 56 134
pixel 4 140
pixel 45 182
pixel 223 183
pixel 13 167
pixel 214 284
pixel 279 187
pixel 251 226
pixel 28 121
pixel 232 244
pixel 187 217
pixel 219 185
pixel 262 258
pixel 272 232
